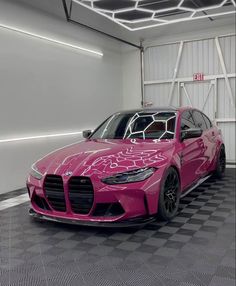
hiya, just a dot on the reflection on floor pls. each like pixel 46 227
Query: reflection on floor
pixel 15 201
pixel 196 249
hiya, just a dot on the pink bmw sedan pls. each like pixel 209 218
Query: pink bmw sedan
pixel 133 168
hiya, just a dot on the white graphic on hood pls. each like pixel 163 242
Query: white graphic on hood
pixel 123 161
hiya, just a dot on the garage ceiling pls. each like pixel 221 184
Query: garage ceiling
pixel 85 15
pixel 136 15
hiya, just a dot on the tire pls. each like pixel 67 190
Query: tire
pixel 169 195
pixel 220 164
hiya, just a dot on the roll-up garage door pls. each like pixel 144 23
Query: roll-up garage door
pixel 198 73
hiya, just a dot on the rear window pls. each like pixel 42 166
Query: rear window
pixel 207 121
pixel 187 121
pixel 199 120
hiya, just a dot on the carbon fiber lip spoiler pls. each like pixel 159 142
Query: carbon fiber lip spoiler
pixel 126 223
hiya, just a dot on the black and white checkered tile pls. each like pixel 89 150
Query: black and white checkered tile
pixel 197 248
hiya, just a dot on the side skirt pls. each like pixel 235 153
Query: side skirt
pixel 195 186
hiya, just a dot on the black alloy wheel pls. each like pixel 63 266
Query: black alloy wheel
pixel 169 195
pixel 221 164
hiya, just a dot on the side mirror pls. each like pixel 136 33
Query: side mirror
pixel 87 133
pixel 191 133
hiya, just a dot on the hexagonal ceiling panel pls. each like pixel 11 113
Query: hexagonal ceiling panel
pixel 142 14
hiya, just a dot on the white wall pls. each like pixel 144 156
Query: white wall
pixel 196 30
pixel 47 88
pixel 131 79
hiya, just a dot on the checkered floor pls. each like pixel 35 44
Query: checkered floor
pixel 196 249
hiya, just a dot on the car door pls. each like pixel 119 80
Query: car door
pixel 192 151
pixel 209 139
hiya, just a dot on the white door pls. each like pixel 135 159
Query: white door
pixel 201 95
pixel 205 95
pixel 169 70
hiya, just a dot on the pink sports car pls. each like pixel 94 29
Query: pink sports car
pixel 133 168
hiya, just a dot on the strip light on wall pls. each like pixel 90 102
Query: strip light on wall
pixel 39 137
pixel 14 29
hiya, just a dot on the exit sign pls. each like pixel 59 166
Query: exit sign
pixel 198 76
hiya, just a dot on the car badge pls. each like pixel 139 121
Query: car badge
pixel 68 173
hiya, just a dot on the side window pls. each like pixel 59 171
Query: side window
pixel 199 120
pixel 187 121
pixel 207 120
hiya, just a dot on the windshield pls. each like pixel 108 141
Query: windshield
pixel 159 125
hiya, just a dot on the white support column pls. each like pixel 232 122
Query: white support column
pixel 215 100
pixel 231 97
pixel 208 94
pixel 175 72
pixel 186 93
pixel 179 94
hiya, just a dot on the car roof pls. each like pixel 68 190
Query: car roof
pixel 156 109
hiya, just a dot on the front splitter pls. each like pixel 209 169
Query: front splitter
pixel 134 222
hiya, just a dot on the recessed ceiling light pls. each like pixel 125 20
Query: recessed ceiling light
pixel 142 14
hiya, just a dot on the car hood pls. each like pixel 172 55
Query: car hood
pixel 106 157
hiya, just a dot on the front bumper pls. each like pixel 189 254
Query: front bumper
pixel 138 203
pixel 126 223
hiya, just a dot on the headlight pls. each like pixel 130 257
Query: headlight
pixel 130 176
pixel 34 172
